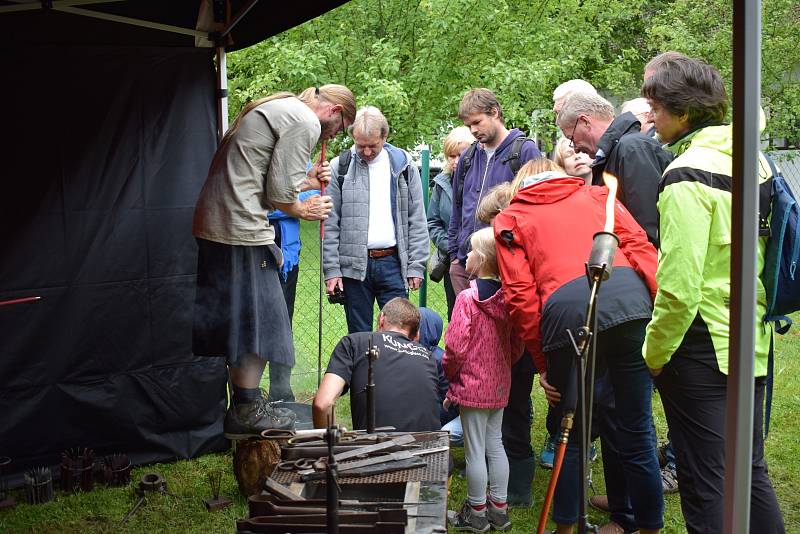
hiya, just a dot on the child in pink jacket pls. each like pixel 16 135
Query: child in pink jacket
pixel 480 348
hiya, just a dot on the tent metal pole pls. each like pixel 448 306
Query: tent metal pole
pixel 35 6
pixel 741 360
pixel 222 92
pixel 238 17
pixel 129 20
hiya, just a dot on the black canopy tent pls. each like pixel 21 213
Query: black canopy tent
pixel 111 123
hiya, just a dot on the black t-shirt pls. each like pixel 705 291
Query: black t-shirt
pixel 406 381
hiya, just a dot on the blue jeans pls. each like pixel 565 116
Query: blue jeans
pixel 456 432
pixel 383 282
pixel 620 350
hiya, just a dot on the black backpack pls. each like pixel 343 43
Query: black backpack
pixel 512 160
pixel 345 157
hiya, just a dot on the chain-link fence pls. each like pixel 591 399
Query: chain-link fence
pixel 334 325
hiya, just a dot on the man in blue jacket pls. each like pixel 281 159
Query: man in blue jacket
pixel 492 162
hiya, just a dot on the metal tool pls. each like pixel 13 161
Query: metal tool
pixel 391 457
pixel 77 470
pixel 149 483
pixel 403 439
pixel 372 355
pixel 331 482
pixel 387 461
pixel 39 485
pixel 321 275
pixel 6 500
pixel 217 501
pixel 116 470
pixel 298 464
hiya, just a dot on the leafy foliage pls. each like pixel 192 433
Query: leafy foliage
pixel 415 58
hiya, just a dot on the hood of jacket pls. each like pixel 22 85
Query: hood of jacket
pixel 430 328
pixel 622 125
pixel 399 159
pixel 445 182
pixel 549 191
pixel 494 306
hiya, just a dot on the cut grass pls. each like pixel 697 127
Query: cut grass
pixel 101 510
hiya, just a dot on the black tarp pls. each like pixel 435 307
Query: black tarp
pixel 263 19
pixel 101 166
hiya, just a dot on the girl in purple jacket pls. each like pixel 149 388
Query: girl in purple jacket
pixel 480 348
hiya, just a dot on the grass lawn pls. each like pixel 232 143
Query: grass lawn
pixel 101 510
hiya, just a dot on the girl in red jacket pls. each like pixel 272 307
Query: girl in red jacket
pixel 480 349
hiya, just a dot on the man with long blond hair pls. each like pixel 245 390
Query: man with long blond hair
pixel 259 166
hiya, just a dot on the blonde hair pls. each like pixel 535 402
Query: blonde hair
pixel 483 246
pixel 558 154
pixel 495 201
pixel 532 168
pixel 458 135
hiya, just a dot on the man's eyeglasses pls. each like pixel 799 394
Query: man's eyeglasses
pixel 572 135
pixel 341 116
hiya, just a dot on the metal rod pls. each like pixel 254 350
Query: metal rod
pixel 744 246
pixel 331 482
pixel 425 177
pixel 18 301
pixel 129 20
pixel 238 18
pixel 372 355
pixel 35 6
pixel 322 158
pixel 222 92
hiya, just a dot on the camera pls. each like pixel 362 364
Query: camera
pixel 337 297
pixel 441 267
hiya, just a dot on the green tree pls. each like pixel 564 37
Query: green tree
pixel 415 58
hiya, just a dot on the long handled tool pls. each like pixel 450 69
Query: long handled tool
pixel 372 355
pixel 321 277
pixel 561 448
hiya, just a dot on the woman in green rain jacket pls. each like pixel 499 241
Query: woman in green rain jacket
pixel 686 346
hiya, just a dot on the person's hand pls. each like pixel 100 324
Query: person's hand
pixel 655 372
pixel 550 392
pixel 446 403
pixel 414 283
pixel 316 208
pixel 320 174
pixel 332 283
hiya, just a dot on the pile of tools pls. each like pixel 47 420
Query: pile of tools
pixel 352 457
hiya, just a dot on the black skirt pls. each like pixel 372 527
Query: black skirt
pixel 239 305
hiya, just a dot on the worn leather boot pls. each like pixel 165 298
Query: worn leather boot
pixel 245 421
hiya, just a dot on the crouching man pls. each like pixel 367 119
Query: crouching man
pixel 406 379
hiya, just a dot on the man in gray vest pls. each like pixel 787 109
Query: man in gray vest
pixel 376 238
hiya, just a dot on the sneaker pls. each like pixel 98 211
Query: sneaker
pixel 547 456
pixel 669 478
pixel 498 517
pixel 599 502
pixel 468 519
pixel 245 421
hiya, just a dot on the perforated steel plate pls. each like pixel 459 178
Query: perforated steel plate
pixel 435 470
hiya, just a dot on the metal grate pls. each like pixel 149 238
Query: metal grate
pixel 435 470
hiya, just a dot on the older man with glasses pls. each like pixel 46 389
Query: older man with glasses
pixel 618 147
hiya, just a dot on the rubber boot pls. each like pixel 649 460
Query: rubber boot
pixel 520 481
pixel 280 388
